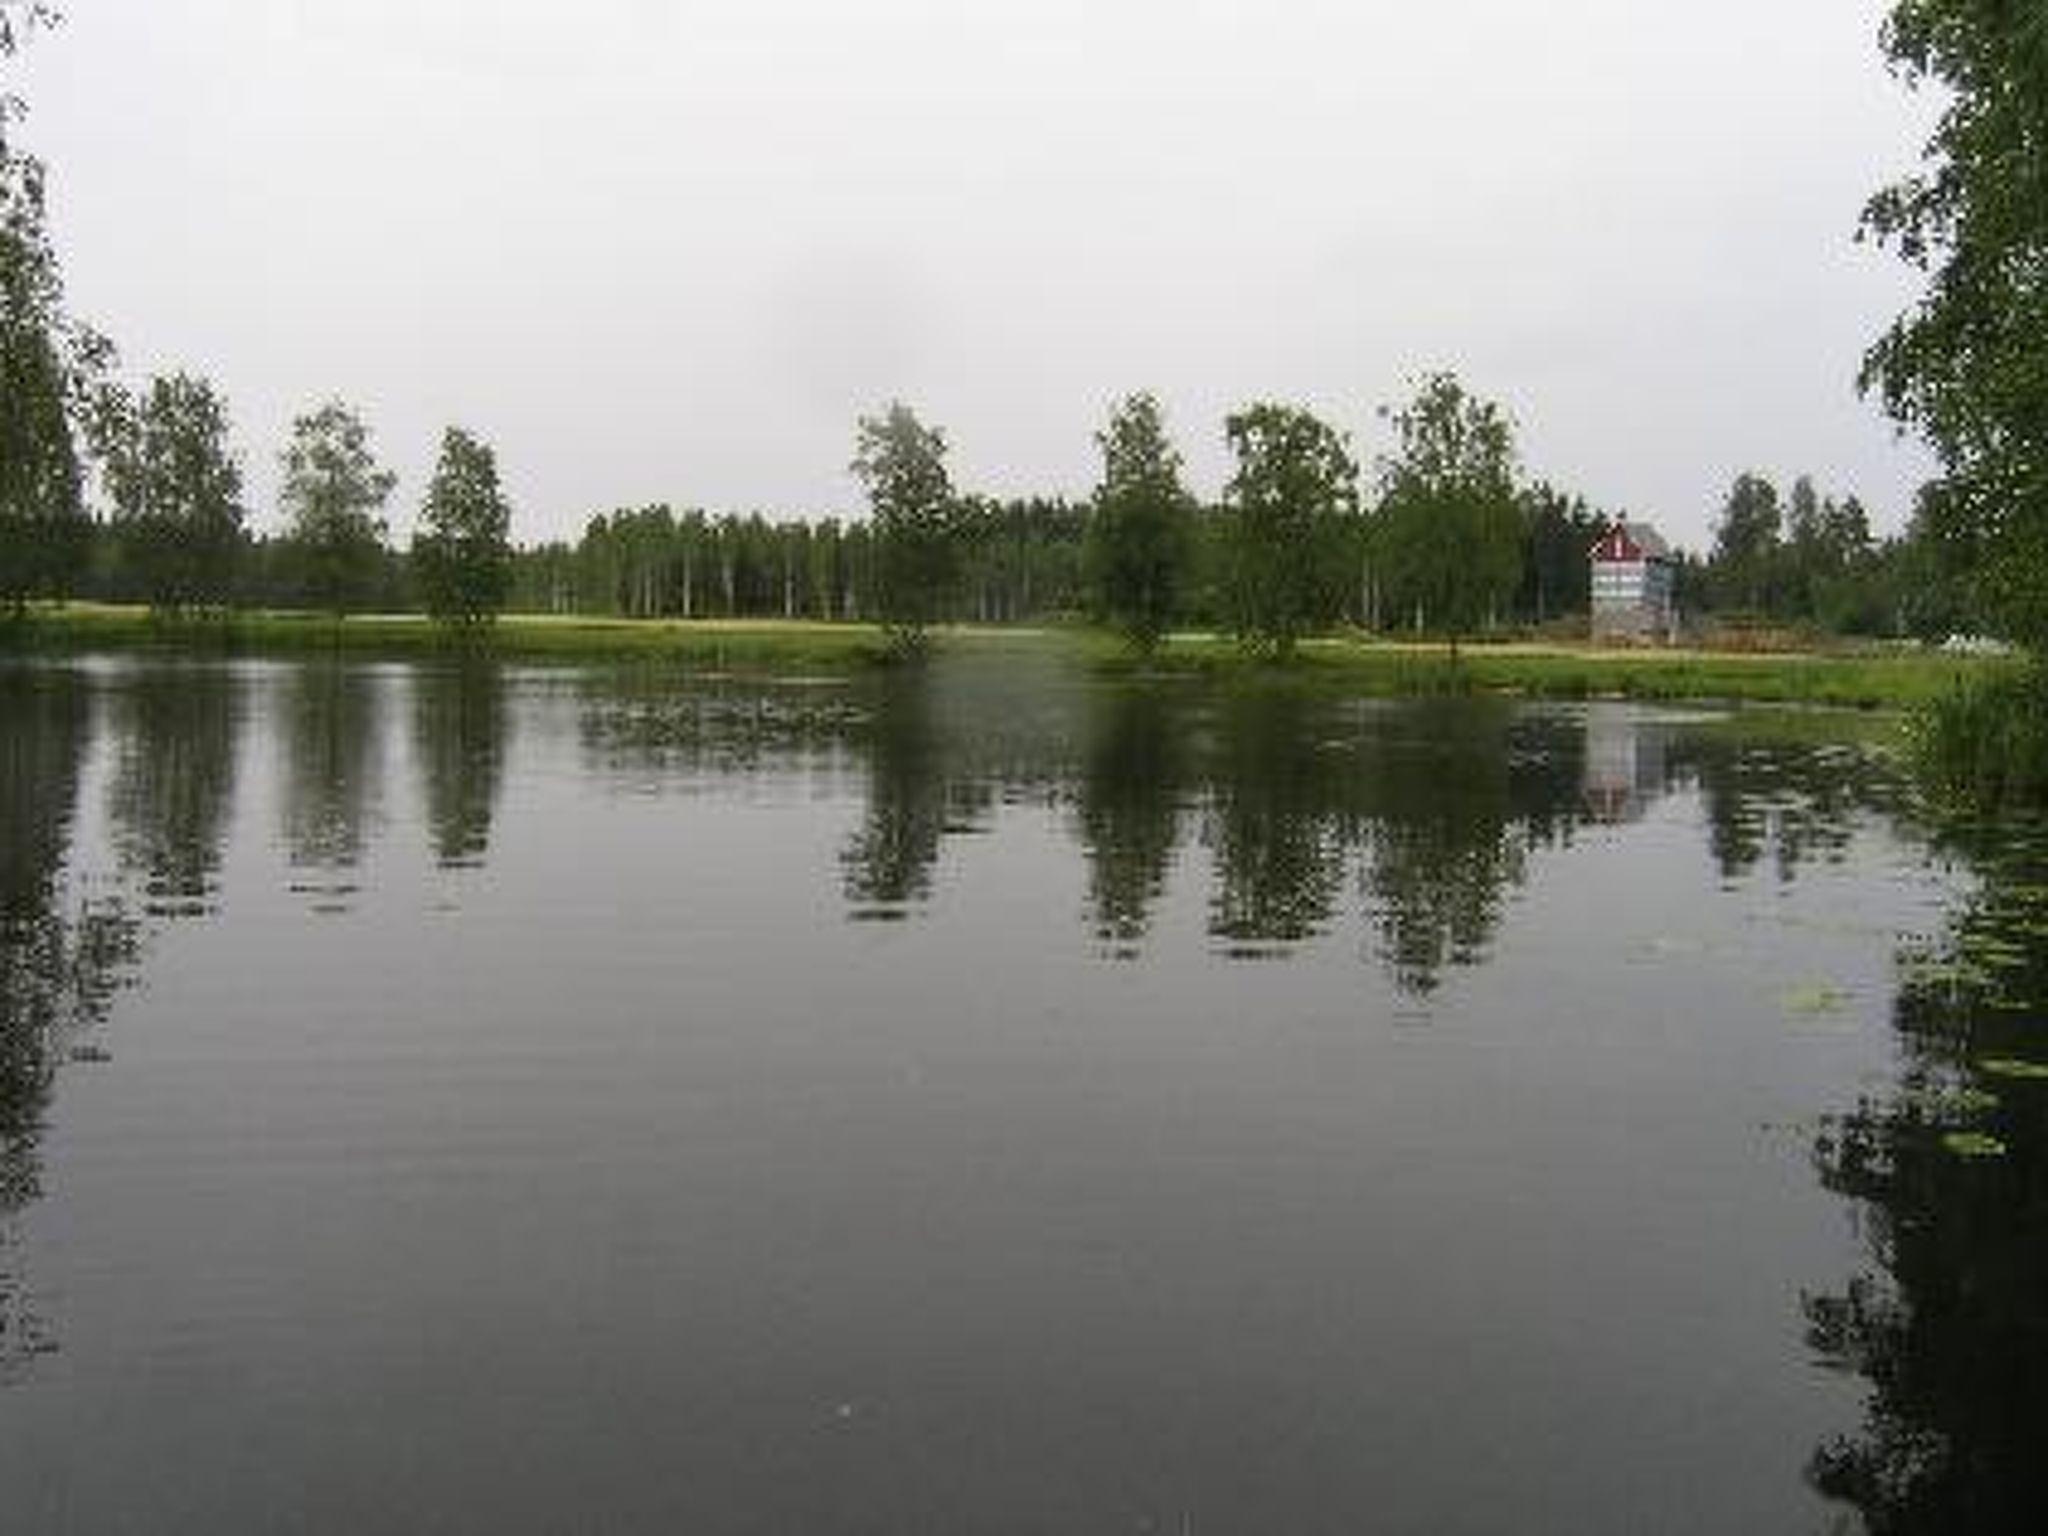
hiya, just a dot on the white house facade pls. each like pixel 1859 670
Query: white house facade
pixel 1632 585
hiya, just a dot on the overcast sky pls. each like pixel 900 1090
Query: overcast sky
pixel 668 250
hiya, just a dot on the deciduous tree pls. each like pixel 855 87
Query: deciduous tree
pixel 333 490
pixel 176 492
pixel 1288 510
pixel 902 462
pixel 1448 535
pixel 50 368
pixel 462 555
pixel 1139 535
pixel 1968 364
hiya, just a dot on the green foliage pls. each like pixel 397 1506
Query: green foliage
pixel 1972 1144
pixel 1835 575
pixel 462 556
pixel 655 562
pixel 1744 562
pixel 332 493
pixel 1447 537
pixel 902 463
pixel 1040 559
pixel 1557 531
pixel 2014 1069
pixel 1968 365
pixel 1930 571
pixel 1140 534
pixel 1020 559
pixel 176 492
pixel 42 518
pixel 1985 742
pixel 50 366
pixel 1810 559
pixel 1289 514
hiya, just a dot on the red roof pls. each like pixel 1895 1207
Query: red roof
pixel 1630 543
pixel 1616 547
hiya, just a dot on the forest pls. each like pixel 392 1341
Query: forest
pixel 187 543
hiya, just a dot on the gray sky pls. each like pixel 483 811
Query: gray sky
pixel 668 251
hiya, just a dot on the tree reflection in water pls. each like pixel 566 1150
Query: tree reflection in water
pixel 1427 810
pixel 1278 821
pixel 461 726
pixel 941 746
pixel 1434 807
pixel 1459 794
pixel 1419 821
pixel 888 862
pixel 64 952
pixel 1786 797
pixel 1949 1168
pixel 333 756
pixel 1128 807
pixel 175 735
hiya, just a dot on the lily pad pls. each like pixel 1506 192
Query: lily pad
pixel 1941 1101
pixel 2014 1067
pixel 1973 1144
pixel 1968 1101
pixel 1815 1002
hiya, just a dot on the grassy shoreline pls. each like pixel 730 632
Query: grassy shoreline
pixel 1863 680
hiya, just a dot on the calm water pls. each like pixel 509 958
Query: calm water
pixel 988 1102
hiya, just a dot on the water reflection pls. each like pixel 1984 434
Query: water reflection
pixel 64 952
pixel 1626 769
pixel 1949 1170
pixel 1259 822
pixel 1446 840
pixel 1417 820
pixel 652 727
pixel 887 863
pixel 1778 790
pixel 461 730
pixel 1128 811
pixel 1278 821
pixel 333 759
pixel 173 789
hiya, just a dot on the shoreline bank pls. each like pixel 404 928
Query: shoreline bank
pixel 1848 679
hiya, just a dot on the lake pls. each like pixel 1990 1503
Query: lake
pixel 993 1100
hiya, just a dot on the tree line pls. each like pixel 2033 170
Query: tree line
pixel 1804 558
pixel 1443 537
pixel 1447 540
pixel 174 531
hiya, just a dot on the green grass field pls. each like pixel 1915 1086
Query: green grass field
pixel 1866 679
pixel 738 643
pixel 1894 679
